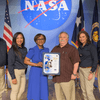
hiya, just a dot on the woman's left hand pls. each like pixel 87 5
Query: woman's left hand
pixel 90 76
pixel 14 81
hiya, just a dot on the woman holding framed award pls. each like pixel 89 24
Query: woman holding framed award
pixel 38 83
pixel 88 64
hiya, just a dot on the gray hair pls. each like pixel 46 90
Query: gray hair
pixel 65 33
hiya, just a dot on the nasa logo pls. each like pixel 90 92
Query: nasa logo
pixel 45 15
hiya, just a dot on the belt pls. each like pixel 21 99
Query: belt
pixel 87 67
pixel 2 67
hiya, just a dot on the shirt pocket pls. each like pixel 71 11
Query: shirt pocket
pixel 64 55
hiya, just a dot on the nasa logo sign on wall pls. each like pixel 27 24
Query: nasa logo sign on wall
pixel 45 14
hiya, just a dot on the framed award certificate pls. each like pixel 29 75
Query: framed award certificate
pixel 51 63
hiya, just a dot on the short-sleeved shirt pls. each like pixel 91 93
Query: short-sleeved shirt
pixel 3 53
pixel 88 56
pixel 68 57
pixel 36 54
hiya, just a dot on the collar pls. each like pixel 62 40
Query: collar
pixel 1 39
pixel 84 45
pixel 38 47
pixel 19 47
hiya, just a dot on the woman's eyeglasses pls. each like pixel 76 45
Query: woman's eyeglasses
pixel 40 39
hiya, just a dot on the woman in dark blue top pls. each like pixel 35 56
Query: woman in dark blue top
pixel 38 83
pixel 16 66
pixel 88 64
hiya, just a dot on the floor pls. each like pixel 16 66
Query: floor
pixel 6 94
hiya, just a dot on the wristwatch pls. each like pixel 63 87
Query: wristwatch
pixel 74 74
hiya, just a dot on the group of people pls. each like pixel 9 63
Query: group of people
pixel 81 62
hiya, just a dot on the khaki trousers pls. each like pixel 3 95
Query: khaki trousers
pixel 99 78
pixel 65 90
pixel 17 89
pixel 2 81
pixel 86 85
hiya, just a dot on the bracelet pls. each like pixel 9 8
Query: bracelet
pixel 74 74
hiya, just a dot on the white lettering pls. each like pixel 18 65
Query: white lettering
pixel 41 5
pixel 28 4
pixel 63 5
pixel 52 3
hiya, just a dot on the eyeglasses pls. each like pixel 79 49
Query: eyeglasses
pixel 40 39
